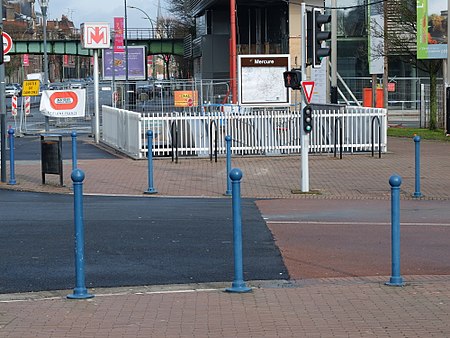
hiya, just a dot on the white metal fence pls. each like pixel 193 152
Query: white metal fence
pixel 257 132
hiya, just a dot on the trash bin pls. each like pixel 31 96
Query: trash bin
pixel 51 156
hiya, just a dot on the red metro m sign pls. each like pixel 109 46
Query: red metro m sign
pixel 95 35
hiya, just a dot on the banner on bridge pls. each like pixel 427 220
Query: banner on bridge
pixel 63 103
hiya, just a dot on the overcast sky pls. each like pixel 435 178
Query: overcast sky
pixel 80 11
pixel 436 6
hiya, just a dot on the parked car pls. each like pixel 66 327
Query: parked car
pixel 11 90
pixel 19 87
pixel 77 83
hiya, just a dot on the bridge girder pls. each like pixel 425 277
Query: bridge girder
pixel 73 47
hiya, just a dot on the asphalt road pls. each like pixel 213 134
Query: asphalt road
pixel 129 241
pixel 28 148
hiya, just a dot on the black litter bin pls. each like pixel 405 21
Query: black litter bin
pixel 51 156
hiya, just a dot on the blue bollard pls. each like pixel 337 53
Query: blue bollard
pixel 417 192
pixel 80 291
pixel 151 189
pixel 238 284
pixel 74 150
pixel 12 178
pixel 228 144
pixel 396 280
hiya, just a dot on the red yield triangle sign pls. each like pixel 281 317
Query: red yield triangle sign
pixel 308 88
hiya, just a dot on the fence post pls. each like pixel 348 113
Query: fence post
pixel 228 143
pixel 12 178
pixel 238 284
pixel 151 189
pixel 80 291
pixel 396 280
pixel 417 192
pixel 74 150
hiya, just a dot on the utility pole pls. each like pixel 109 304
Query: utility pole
pixel 2 114
pixel 334 91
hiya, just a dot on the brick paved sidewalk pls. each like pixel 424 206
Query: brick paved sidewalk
pixel 357 176
pixel 341 307
pixel 336 307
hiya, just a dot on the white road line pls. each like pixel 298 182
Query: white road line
pixel 353 223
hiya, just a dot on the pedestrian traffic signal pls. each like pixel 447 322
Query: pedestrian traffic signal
pixel 293 79
pixel 307 119
pixel 319 36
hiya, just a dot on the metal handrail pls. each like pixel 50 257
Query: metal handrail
pixel 174 137
pixel 338 119
pixel 379 136
pixel 213 123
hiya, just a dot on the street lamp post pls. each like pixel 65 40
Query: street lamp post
pixel 44 6
pixel 152 35
pixel 126 54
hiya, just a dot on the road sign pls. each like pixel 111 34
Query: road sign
pixel 7 43
pixel 30 88
pixel 95 35
pixel 308 88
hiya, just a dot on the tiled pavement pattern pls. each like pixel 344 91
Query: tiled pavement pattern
pixel 334 307
pixel 353 307
pixel 357 176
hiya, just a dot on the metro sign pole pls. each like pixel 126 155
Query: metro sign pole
pixel 96 35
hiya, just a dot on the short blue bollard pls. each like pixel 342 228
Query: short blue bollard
pixel 396 280
pixel 80 291
pixel 12 178
pixel 417 192
pixel 228 144
pixel 151 189
pixel 74 150
pixel 238 284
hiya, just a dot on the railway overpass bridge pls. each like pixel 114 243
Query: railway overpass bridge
pixel 154 45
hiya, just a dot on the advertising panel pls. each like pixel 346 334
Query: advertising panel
pixel 63 103
pixel 137 69
pixel 432 20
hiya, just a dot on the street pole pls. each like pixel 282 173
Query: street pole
pixel 304 136
pixel 152 35
pixel 233 52
pixel 126 55
pixel 96 98
pixel 334 91
pixel 44 5
pixel 2 115
pixel 447 92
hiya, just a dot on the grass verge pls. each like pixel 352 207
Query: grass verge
pixel 425 134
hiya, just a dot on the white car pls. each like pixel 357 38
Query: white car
pixel 11 90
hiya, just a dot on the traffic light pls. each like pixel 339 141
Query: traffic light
pixel 307 119
pixel 293 79
pixel 319 36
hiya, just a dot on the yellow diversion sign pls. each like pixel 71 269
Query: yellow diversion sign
pixel 185 98
pixel 30 88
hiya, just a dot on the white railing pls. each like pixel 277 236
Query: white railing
pixel 258 132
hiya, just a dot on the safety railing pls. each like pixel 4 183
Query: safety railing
pixel 255 132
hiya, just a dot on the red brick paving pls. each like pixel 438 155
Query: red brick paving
pixel 322 307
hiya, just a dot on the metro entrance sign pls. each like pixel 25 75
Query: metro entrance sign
pixel 95 35
pixel 7 43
